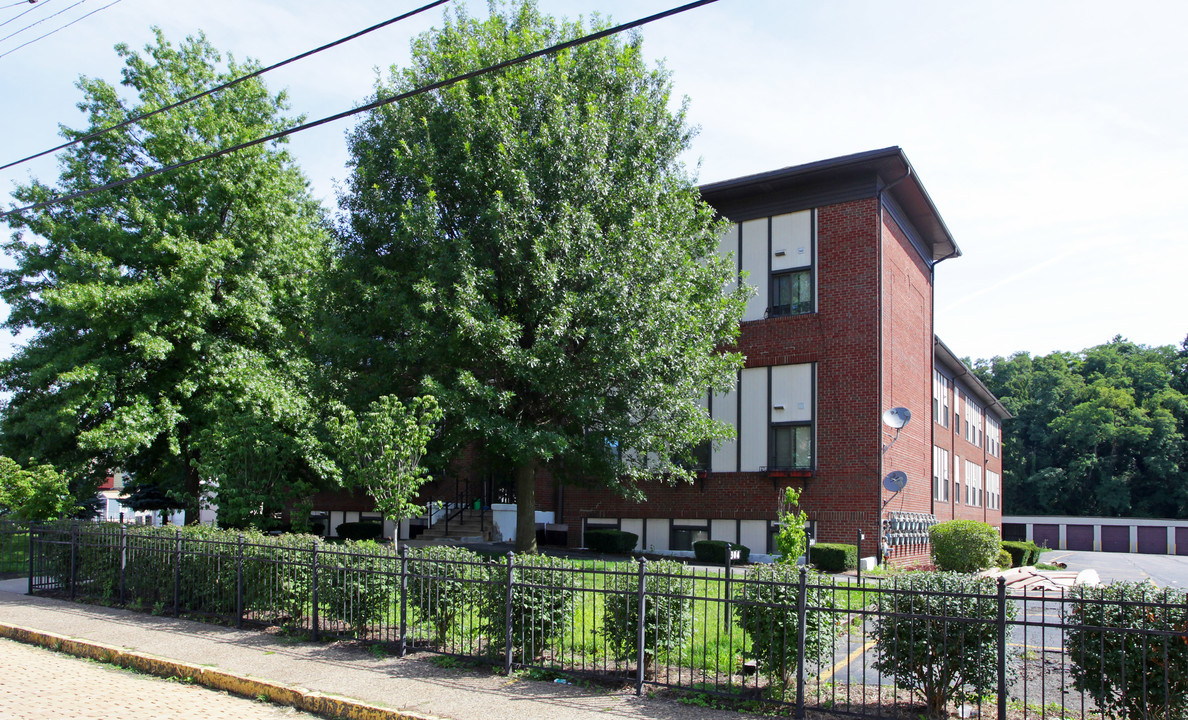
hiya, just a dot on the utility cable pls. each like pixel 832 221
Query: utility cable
pixel 20 15
pixel 20 2
pixel 225 85
pixel 34 24
pixel 378 103
pixel 51 32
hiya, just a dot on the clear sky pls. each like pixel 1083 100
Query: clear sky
pixel 1051 136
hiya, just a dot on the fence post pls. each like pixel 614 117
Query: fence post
pixel 1002 639
pixel 122 553
pixel 403 647
pixel 73 558
pixel 729 577
pixel 239 582
pixel 801 631
pixel 177 572
pixel 640 627
pixel 507 617
pixel 31 564
pixel 314 592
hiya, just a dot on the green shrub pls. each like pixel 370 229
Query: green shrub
pixel 834 557
pixel 1128 647
pixel 1022 553
pixel 714 551
pixel 937 635
pixel 357 582
pixel 1004 560
pixel 543 591
pixel 964 545
pixel 360 530
pixel 612 542
pixel 768 614
pixel 668 613
pixel 443 584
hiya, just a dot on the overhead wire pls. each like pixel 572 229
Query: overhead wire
pixel 47 17
pixel 51 32
pixel 20 2
pixel 18 16
pixel 378 103
pixel 224 86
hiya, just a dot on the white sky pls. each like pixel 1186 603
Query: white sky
pixel 1051 136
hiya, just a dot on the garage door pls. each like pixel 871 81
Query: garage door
pixel 1046 536
pixel 1016 531
pixel 1182 541
pixel 1079 537
pixel 1115 538
pixel 1152 540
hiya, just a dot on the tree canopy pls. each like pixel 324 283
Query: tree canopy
pixel 1101 432
pixel 528 247
pixel 170 314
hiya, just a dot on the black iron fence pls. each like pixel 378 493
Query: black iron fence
pixel 768 638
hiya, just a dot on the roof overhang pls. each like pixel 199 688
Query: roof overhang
pixel 949 360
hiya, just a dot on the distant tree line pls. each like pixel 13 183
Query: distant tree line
pixel 1099 432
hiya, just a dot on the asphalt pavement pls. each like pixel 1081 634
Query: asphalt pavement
pixel 1164 570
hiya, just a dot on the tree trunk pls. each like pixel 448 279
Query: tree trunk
pixel 526 507
pixel 193 489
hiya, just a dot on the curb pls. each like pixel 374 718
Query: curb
pixel 333 706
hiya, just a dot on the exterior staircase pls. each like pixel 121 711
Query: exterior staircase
pixel 473 525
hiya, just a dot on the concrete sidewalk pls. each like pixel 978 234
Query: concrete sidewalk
pixel 338 679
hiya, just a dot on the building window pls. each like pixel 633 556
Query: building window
pixel 791 293
pixel 940 474
pixel 941 387
pixel 993 490
pixel 993 437
pixel 791 447
pixel 973 422
pixel 686 532
pixel 973 484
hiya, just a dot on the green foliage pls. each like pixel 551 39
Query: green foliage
pixel 610 541
pixel 528 247
pixel 358 582
pixel 668 611
pixel 1004 560
pixel 770 594
pixel 444 584
pixel 1097 432
pixel 945 660
pixel 360 530
pixel 1022 553
pixel 834 557
pixel 1128 648
pixel 38 492
pixel 791 539
pixel 169 314
pixel 382 451
pixel 715 551
pixel 964 545
pixel 543 592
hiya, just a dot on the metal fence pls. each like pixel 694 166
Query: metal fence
pixel 767 638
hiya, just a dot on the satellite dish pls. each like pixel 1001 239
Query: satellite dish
pixel 897 417
pixel 895 481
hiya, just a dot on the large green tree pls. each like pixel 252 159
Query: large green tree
pixel 169 315
pixel 1099 432
pixel 528 247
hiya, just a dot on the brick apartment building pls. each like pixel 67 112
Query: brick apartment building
pixel 842 254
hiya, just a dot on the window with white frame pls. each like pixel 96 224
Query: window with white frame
pixel 993 436
pixel 973 484
pixel 940 474
pixel 941 387
pixel 957 479
pixel 993 490
pixel 973 422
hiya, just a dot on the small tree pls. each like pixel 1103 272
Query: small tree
pixel 937 635
pixel 668 615
pixel 382 451
pixel 38 492
pixel 1128 645
pixel 791 539
pixel 964 545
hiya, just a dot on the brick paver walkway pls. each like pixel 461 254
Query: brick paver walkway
pixel 39 684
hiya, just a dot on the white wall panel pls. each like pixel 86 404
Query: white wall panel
pixel 725 455
pixel 633 525
pixel 728 244
pixel 723 530
pixel 753 534
pixel 753 423
pixel 792 240
pixel 657 534
pixel 754 261
pixel 792 387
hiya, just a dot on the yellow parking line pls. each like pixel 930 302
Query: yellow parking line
pixel 828 674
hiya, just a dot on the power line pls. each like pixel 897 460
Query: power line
pixel 21 2
pixel 51 32
pixel 378 103
pixel 225 85
pixel 20 15
pixel 34 24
